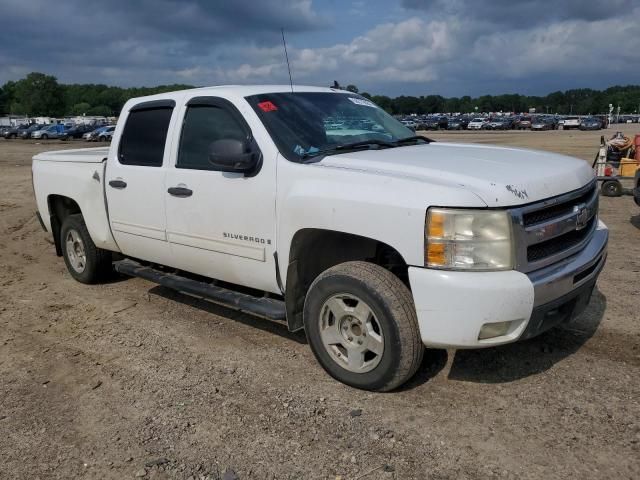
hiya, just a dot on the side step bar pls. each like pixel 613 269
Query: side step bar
pixel 265 307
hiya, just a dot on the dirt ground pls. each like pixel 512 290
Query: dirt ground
pixel 128 379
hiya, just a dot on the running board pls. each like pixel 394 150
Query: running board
pixel 265 307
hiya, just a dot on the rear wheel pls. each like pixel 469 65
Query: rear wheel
pixel 611 188
pixel 85 262
pixel 362 326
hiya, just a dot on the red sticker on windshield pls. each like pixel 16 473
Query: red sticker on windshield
pixel 267 106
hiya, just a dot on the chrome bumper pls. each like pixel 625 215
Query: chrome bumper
pixel 560 279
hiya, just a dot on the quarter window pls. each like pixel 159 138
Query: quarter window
pixel 203 125
pixel 144 137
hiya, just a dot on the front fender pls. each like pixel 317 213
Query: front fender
pixel 387 209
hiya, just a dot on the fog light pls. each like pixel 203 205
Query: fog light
pixel 491 330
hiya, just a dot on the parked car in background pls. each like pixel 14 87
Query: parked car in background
pixel 571 122
pixel 77 131
pixel 476 124
pixel 25 133
pixel 9 132
pixel 456 123
pixel 409 124
pixel 509 123
pixel 443 122
pixel 495 124
pixel 523 123
pixel 107 134
pixel 432 123
pixel 50 131
pixel 542 123
pixel 93 135
pixel 590 123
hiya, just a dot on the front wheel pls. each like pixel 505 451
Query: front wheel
pixel 85 262
pixel 362 327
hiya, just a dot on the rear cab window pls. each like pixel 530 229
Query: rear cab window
pixel 145 133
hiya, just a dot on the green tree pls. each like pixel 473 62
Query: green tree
pixel 100 110
pixel 7 94
pixel 40 94
pixel 352 88
pixel 79 108
pixel 17 109
pixel 4 101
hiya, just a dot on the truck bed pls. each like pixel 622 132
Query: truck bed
pixel 81 155
pixel 77 175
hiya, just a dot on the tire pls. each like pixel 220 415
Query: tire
pixel 44 137
pixel 369 300
pixel 85 262
pixel 611 188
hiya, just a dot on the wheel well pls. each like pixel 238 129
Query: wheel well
pixel 60 207
pixel 314 250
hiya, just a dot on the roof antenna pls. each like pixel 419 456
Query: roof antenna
pixel 286 55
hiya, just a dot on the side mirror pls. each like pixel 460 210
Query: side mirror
pixel 231 155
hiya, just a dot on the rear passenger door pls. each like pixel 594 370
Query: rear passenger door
pixel 135 181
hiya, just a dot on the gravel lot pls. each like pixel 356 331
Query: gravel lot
pixel 129 380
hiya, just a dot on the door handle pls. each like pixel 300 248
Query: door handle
pixel 180 192
pixel 119 184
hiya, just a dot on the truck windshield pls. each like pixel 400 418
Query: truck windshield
pixel 308 124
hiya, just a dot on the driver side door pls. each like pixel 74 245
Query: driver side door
pixel 220 224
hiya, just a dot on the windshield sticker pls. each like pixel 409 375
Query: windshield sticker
pixel 298 150
pixel 362 101
pixel 267 106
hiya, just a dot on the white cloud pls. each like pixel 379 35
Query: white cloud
pixel 451 47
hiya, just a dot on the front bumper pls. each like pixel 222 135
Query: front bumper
pixel 453 307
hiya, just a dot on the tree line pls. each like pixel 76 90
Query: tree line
pixel 39 94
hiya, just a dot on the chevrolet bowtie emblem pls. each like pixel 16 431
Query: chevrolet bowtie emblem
pixel 582 217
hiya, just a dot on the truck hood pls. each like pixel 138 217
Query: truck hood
pixel 500 176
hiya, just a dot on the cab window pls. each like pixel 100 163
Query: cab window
pixel 144 137
pixel 203 125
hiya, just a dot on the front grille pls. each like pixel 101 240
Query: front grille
pixel 549 231
pixel 546 249
pixel 539 216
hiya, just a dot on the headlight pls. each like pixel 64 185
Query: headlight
pixel 468 239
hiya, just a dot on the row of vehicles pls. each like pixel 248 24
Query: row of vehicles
pixel 59 131
pixel 514 122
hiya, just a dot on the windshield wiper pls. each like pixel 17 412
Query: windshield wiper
pixel 413 138
pixel 365 145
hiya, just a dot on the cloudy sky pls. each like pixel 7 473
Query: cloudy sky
pixel 393 47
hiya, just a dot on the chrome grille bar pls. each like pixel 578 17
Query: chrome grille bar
pixel 548 231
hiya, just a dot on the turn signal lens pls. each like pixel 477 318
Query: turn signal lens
pixel 436 225
pixel 436 254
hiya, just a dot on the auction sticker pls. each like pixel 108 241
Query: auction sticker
pixel 267 106
pixel 362 101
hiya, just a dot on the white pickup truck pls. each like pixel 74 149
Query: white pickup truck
pixel 373 240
